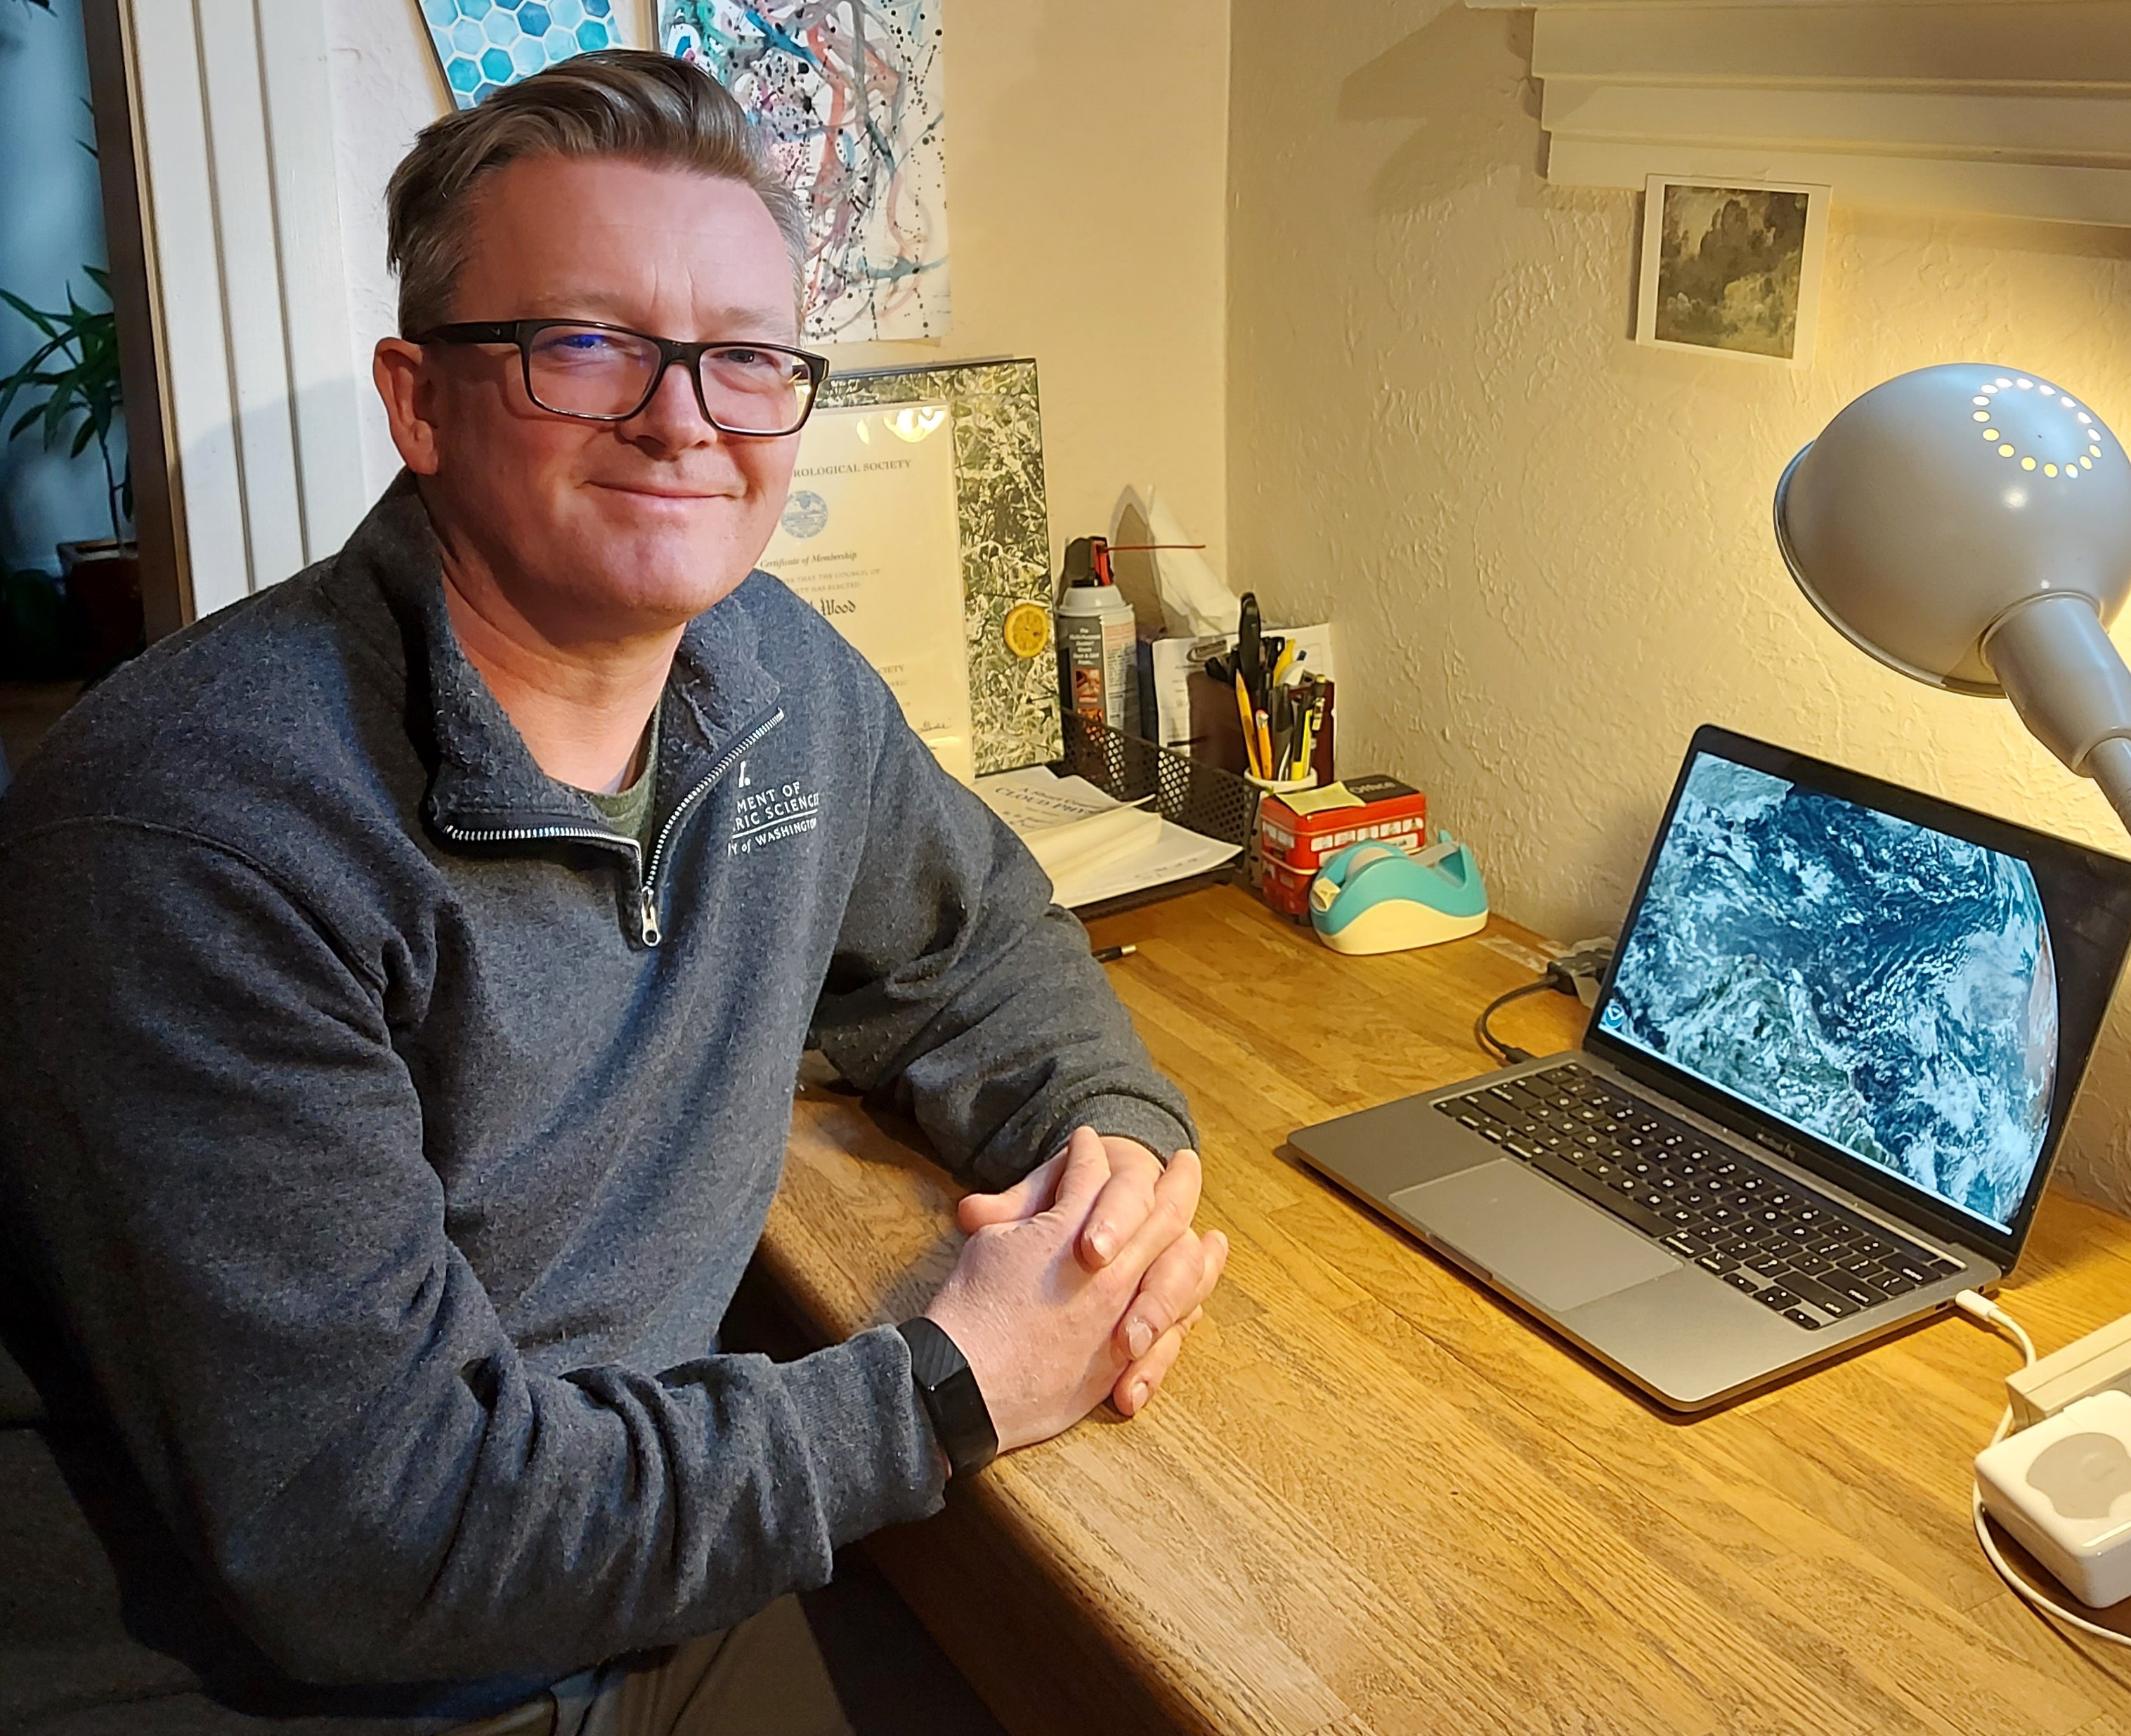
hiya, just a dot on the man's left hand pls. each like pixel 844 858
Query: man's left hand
pixel 1172 1294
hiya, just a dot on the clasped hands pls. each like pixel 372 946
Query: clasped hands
pixel 1080 1282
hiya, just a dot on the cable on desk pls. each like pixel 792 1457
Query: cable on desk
pixel 1985 1313
pixel 1508 1054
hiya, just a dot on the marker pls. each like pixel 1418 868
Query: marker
pixel 1111 954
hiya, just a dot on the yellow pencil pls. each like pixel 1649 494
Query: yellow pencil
pixel 1250 734
pixel 1264 745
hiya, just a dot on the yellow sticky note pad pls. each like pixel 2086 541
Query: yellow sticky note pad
pixel 1322 799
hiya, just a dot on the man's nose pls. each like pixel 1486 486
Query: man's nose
pixel 673 417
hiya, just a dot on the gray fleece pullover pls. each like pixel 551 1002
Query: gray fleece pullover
pixel 381 1138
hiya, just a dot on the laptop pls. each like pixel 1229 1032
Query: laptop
pixel 1820 1092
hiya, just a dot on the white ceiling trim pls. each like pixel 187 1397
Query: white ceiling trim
pixel 2015 107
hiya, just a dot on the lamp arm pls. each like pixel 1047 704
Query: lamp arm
pixel 2110 765
pixel 2069 684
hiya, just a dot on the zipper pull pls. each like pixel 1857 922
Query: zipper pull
pixel 647 914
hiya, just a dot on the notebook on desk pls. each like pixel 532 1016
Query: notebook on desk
pixel 1820 1092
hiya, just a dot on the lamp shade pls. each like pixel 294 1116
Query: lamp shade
pixel 1971 526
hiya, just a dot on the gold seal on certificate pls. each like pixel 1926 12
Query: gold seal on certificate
pixel 1028 630
pixel 870 537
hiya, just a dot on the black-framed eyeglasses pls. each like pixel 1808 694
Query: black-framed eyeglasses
pixel 603 373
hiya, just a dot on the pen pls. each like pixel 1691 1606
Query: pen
pixel 1111 954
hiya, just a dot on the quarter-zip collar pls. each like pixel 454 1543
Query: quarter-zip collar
pixel 485 787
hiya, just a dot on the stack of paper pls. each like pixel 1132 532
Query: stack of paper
pixel 1092 845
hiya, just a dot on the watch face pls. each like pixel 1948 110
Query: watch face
pixel 948 1387
pixel 933 1355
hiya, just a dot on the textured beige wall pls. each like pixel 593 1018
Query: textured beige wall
pixel 1548 549
pixel 1086 176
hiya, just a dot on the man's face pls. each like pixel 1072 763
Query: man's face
pixel 604 530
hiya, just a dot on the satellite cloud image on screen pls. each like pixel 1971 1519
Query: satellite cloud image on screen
pixel 1885 986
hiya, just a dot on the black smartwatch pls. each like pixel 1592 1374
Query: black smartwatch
pixel 960 1423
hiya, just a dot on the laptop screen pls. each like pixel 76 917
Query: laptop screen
pixel 1890 988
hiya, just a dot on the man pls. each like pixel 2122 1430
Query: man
pixel 399 1053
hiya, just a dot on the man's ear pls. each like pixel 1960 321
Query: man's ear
pixel 403 383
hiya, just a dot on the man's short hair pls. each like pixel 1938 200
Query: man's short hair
pixel 626 102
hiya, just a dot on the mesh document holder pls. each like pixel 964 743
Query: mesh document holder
pixel 1189 792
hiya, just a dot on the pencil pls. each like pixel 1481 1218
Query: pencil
pixel 1265 745
pixel 1250 735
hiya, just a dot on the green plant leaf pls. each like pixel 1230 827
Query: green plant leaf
pixel 83 397
pixel 29 368
pixel 42 322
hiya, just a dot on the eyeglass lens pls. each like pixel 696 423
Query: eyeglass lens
pixel 583 370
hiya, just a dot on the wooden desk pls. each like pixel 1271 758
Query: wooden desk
pixel 1372 1499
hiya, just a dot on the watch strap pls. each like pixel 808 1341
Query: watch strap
pixel 947 1388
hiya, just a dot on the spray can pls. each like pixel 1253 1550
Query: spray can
pixel 1097 640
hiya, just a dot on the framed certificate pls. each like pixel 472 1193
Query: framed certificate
pixel 871 538
pixel 1005 542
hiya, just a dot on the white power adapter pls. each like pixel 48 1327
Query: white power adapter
pixel 2063 1488
pixel 2062 1485
pixel 2096 1363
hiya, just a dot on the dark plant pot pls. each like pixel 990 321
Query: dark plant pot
pixel 103 578
pixel 40 629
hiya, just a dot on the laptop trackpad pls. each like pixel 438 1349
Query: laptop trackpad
pixel 1540 1240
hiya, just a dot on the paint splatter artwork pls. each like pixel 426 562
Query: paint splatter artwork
pixel 848 94
pixel 484 44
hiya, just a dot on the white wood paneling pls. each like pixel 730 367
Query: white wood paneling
pixel 179 187
pixel 2018 108
pixel 324 388
pixel 242 223
pixel 253 334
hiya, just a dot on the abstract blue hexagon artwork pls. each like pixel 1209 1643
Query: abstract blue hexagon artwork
pixel 484 44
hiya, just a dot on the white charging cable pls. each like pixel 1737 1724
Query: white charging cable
pixel 1984 1311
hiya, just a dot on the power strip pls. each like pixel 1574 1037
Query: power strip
pixel 2097 1363
pixel 1582 969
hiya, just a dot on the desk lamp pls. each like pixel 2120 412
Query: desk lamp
pixel 1971 526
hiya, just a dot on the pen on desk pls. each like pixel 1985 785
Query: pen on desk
pixel 1111 954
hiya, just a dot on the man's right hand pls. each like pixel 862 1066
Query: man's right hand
pixel 1039 1329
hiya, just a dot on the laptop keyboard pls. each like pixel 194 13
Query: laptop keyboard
pixel 1791 1250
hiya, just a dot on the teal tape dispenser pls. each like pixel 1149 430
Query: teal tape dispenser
pixel 1375 898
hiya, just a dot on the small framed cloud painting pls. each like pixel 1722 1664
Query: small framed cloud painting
pixel 1734 268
